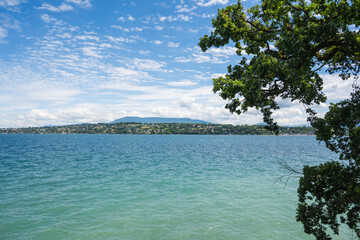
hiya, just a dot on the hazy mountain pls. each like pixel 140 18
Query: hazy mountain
pixel 158 120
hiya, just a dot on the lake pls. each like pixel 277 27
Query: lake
pixel 152 186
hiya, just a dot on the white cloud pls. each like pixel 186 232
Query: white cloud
pixel 63 7
pixel 87 37
pixel 122 19
pixel 213 55
pixel 187 102
pixel 41 115
pixel 189 106
pixel 91 52
pixel 120 28
pixel 163 4
pixel 171 18
pixel 163 95
pixel 163 18
pixel 159 28
pixel 182 83
pixel 7 23
pixel 133 29
pixel 137 37
pixel 198 58
pixel 142 52
pixel 80 113
pixel 204 3
pixel 106 45
pixel 11 4
pixel 204 15
pixel 81 3
pixel 222 52
pixel 157 42
pixel 335 88
pixel 44 93
pixel 175 45
pixel 50 93
pixel 130 18
pixel 290 115
pixel 65 35
pixel 184 8
pixel 216 75
pixel 123 73
pixel 145 64
pixel 184 17
pixel 121 39
pixel 48 19
pixel 191 30
pixel 3 33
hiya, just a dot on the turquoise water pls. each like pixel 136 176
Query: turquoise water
pixel 151 186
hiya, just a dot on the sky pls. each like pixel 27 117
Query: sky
pixel 90 61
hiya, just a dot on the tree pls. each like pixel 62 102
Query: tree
pixel 288 43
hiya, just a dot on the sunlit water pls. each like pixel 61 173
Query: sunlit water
pixel 151 187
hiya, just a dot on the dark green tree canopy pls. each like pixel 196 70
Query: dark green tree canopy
pixel 289 42
pixel 285 45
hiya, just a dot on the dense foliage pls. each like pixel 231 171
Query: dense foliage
pixel 159 128
pixel 285 45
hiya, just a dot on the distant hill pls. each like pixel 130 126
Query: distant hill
pixel 158 120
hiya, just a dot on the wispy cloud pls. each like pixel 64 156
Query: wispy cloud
pixel 3 33
pixel 48 19
pixel 204 3
pixel 39 91
pixel 191 30
pixel 88 37
pixel 11 5
pixel 174 45
pixel 182 83
pixel 335 88
pixel 159 28
pixel 131 29
pixel 80 113
pixel 157 42
pixel 145 64
pixel 81 3
pixel 121 39
pixel 203 15
pixel 7 23
pixel 91 52
pixel 63 7
pixel 179 17
pixel 143 52
pixel 128 17
pixel 163 4
pixel 185 8
pixel 213 55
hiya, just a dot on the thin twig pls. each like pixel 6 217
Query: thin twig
pixel 291 171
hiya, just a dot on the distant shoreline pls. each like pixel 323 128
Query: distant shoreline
pixel 161 129
pixel 279 135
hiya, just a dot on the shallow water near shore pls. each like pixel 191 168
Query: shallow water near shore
pixel 151 186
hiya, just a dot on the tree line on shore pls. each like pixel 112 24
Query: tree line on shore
pixel 159 128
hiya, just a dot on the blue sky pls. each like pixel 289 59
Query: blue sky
pixel 89 61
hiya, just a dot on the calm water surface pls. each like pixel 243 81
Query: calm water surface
pixel 151 187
